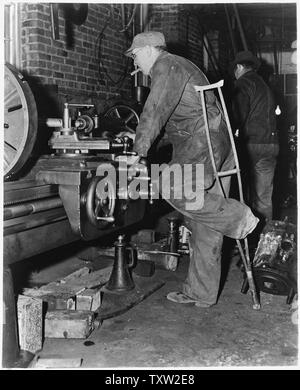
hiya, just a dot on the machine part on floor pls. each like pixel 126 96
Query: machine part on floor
pixel 275 260
pixel 173 235
pixel 162 259
pixel 291 190
pixel 120 279
pixel 164 252
pixel 144 268
pixel 151 252
pixel 20 122
pixel 244 255
pixel 184 237
pixel 146 236
pixel 159 253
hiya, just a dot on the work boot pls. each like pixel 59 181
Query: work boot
pixel 179 297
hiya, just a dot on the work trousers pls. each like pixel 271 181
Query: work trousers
pixel 208 225
pixel 261 165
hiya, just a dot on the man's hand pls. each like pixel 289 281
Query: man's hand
pixel 135 164
pixel 138 167
pixel 131 159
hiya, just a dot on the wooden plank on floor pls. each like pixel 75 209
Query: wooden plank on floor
pixel 114 304
pixel 55 361
pixel 73 285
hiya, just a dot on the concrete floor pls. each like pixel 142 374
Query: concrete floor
pixel 158 333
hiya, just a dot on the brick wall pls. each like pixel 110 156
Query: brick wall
pixel 181 30
pixel 190 36
pixel 73 71
pixel 165 18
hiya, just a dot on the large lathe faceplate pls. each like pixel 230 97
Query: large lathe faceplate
pixel 59 200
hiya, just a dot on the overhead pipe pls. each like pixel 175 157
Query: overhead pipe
pixel 232 38
pixel 240 27
pixel 144 27
pixel 276 68
pixel 143 17
pixel 142 24
pixel 12 38
pixel 131 20
pixel 17 35
pixel 123 14
pixel 12 34
pixel 7 31
pixel 209 50
pixel 210 54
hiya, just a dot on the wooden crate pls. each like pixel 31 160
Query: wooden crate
pixel 30 323
pixel 89 299
pixel 69 324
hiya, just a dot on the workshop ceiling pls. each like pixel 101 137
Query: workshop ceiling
pixel 261 10
pixel 263 23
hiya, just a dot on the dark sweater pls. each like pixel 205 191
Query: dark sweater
pixel 254 109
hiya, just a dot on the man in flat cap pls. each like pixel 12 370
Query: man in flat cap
pixel 254 112
pixel 174 104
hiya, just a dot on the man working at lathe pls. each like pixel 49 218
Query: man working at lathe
pixel 174 104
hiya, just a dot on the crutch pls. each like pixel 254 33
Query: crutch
pixel 244 255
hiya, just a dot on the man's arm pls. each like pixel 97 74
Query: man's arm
pixel 241 105
pixel 168 83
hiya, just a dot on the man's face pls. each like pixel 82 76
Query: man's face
pixel 238 71
pixel 143 58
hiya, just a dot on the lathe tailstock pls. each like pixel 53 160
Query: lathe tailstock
pixel 74 192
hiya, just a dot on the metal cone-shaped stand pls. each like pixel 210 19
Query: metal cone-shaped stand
pixel 120 279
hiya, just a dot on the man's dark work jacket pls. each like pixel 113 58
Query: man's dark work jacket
pixel 254 109
pixel 174 102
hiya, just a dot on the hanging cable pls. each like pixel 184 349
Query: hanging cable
pixel 125 28
pixel 98 55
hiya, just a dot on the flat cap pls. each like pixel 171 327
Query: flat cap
pixel 246 56
pixel 151 38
